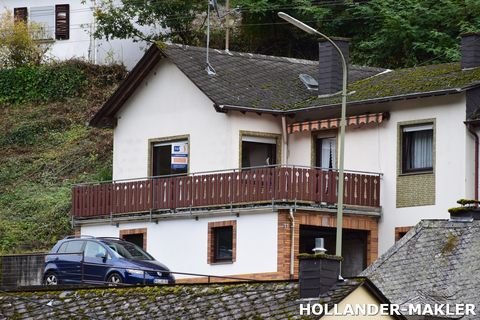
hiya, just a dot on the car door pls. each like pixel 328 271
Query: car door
pixel 69 261
pixel 96 262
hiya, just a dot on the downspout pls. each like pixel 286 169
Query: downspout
pixel 475 135
pixel 285 140
pixel 292 244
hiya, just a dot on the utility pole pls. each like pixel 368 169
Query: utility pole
pixel 227 24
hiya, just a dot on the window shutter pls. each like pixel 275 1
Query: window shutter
pixel 20 14
pixel 62 22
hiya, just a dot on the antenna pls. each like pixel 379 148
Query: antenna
pixel 210 70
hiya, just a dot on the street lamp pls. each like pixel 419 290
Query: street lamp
pixel 308 29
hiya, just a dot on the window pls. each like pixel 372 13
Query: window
pixel 47 21
pixel 417 148
pixel 326 154
pixel 20 15
pixel 43 22
pixel 71 247
pixel 400 232
pixel 222 247
pixel 135 236
pixel 221 241
pixel 169 157
pixel 258 151
pixel 94 250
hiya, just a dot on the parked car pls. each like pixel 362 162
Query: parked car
pixel 99 260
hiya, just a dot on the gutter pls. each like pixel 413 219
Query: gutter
pixel 470 125
pixel 382 99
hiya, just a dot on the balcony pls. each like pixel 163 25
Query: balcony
pixel 232 188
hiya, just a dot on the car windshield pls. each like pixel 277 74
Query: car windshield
pixel 128 250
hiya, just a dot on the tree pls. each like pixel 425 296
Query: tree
pixel 150 20
pixel 385 33
pixel 17 46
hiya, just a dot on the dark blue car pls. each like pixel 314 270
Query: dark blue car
pixel 102 260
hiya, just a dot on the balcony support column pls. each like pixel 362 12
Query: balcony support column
pixel 285 140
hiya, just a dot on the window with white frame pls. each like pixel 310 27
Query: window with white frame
pixel 417 148
pixel 326 152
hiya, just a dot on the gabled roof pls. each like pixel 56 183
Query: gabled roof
pixel 252 82
pixel 436 262
pixel 249 300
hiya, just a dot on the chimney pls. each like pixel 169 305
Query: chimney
pixel 318 274
pixel 468 211
pixel 470 50
pixel 330 65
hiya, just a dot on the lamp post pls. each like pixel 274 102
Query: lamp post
pixel 308 29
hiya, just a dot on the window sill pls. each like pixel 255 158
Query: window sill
pixel 414 173
pixel 221 262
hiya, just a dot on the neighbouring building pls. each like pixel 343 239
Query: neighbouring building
pixel 233 172
pixel 435 263
pixel 67 27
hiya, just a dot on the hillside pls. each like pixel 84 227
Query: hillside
pixel 46 146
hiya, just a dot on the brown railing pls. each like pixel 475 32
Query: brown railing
pixel 226 188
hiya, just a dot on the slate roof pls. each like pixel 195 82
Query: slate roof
pixel 252 80
pixel 252 300
pixel 436 262
pixel 259 83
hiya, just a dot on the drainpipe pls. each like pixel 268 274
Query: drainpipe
pixel 475 135
pixel 285 140
pixel 292 244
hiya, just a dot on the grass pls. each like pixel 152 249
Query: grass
pixel 45 148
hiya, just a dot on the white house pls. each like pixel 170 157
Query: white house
pixel 68 26
pixel 183 139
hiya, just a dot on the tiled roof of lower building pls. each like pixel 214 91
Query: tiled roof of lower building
pixel 249 300
pixel 436 262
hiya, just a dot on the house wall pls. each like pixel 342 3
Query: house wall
pixel 181 244
pixel 375 149
pixel 169 104
pixel 80 42
pixel 359 297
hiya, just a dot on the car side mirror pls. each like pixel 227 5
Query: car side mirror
pixel 103 256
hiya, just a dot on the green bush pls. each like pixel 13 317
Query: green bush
pixel 40 83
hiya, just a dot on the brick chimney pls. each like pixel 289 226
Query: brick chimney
pixel 470 50
pixel 318 273
pixel 330 65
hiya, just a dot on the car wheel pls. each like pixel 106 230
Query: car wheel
pixel 114 279
pixel 50 279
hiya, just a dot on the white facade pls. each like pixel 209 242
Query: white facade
pixel 81 43
pixel 181 244
pixel 171 105
pixel 167 104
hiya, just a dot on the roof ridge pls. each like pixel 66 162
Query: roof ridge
pixel 260 56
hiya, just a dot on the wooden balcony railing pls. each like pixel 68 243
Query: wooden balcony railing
pixel 226 188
